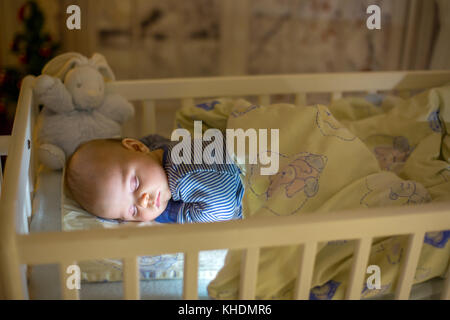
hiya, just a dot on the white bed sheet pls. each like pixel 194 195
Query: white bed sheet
pixel 44 279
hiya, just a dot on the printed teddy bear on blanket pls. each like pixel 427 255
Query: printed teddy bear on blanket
pixel 76 107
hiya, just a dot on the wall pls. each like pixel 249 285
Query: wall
pixel 172 38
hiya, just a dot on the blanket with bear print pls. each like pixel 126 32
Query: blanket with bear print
pixel 352 154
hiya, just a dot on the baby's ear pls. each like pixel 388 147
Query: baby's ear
pixel 135 145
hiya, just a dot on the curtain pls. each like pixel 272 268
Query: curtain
pixel 441 52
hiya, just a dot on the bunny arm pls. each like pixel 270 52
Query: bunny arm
pixel 116 108
pixel 52 156
pixel 54 96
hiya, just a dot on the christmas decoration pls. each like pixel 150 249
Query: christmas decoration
pixel 33 48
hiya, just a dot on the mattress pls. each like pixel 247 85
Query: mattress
pixel 44 279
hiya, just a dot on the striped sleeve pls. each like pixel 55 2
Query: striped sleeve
pixel 209 196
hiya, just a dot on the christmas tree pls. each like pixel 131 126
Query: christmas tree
pixel 34 48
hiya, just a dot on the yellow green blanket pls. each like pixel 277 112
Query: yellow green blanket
pixel 353 154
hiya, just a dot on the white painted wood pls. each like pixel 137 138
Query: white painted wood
pixel 300 99
pixel 24 274
pixel 12 220
pixel 190 278
pixel 261 232
pixel 264 99
pixel 276 84
pixel 187 102
pixel 336 95
pixel 304 278
pixel 27 206
pixel 66 292
pixel 359 266
pixel 445 295
pixel 249 273
pixel 409 266
pixel 148 121
pixel 131 290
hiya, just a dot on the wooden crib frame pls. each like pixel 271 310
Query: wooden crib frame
pixel 19 248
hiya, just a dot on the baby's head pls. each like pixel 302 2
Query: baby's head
pixel 118 179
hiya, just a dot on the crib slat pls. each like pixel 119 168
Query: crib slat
pixel 264 99
pixel 405 94
pixel 409 265
pixel 249 273
pixel 336 95
pixel 187 102
pixel 190 281
pixel 131 290
pixel 445 295
pixel 304 278
pixel 68 293
pixel 148 121
pixel 360 259
pixel 300 99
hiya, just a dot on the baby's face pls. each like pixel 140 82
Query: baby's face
pixel 136 188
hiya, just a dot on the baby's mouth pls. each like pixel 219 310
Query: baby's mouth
pixel 158 199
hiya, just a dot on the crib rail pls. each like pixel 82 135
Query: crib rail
pixel 146 92
pixel 265 85
pixel 250 235
pixel 15 199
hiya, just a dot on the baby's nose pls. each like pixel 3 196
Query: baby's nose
pixel 144 200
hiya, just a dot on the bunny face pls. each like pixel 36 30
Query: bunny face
pixel 86 86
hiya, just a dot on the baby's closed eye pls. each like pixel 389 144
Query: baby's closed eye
pixel 134 183
pixel 133 210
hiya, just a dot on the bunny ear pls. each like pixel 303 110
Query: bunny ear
pixel 60 65
pixel 99 61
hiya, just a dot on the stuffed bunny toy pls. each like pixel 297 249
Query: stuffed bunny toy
pixel 76 107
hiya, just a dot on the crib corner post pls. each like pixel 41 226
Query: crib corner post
pixel 12 283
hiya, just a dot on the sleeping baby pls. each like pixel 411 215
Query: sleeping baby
pixel 136 180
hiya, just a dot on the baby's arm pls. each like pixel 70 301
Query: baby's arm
pixel 209 196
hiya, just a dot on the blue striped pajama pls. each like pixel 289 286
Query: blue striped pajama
pixel 200 192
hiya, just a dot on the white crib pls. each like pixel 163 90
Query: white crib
pixel 19 247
